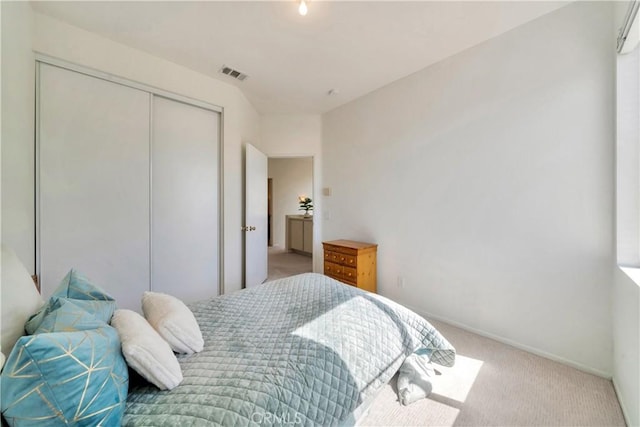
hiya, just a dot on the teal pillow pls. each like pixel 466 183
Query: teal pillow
pixel 75 285
pixel 78 289
pixel 65 315
pixel 63 378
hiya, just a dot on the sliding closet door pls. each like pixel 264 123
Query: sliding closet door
pixel 184 214
pixel 93 183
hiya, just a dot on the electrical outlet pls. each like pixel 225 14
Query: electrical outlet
pixel 400 282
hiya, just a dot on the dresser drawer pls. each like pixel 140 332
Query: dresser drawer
pixel 331 257
pixel 349 260
pixel 350 275
pixel 340 249
pixel 340 258
pixel 339 272
pixel 333 270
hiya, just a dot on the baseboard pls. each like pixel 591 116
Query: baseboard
pixel 512 343
pixel 621 402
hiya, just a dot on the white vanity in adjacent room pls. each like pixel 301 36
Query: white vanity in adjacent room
pixel 299 234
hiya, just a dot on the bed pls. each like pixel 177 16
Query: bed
pixel 304 350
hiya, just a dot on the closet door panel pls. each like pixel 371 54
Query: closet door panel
pixel 185 218
pixel 94 183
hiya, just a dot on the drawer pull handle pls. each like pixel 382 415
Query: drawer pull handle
pixel 341 258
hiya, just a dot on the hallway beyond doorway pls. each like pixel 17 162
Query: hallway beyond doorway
pixel 284 264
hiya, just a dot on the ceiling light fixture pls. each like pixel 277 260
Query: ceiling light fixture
pixel 302 9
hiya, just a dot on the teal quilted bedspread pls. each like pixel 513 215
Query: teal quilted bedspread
pixel 305 350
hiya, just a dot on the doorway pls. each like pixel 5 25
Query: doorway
pixel 290 232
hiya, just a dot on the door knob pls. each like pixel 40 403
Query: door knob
pixel 248 228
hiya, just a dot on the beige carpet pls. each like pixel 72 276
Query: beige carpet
pixel 493 384
pixel 285 264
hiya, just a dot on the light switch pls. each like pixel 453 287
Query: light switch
pixel 326 191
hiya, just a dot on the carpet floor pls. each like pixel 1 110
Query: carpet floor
pixel 493 384
pixel 284 264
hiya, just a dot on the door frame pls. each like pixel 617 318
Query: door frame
pixel 313 191
pixel 154 91
pixel 269 208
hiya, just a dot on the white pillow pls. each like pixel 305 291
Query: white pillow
pixel 174 322
pixel 19 298
pixel 145 351
pixel 2 358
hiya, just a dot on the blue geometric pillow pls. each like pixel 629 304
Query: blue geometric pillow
pixel 65 378
pixel 100 310
pixel 65 315
pixel 75 285
pixel 72 371
pixel 81 292
pixel 72 350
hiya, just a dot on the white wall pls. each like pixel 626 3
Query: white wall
pixel 626 285
pixel 291 177
pixel 626 342
pixel 18 95
pixel 487 181
pixel 628 158
pixel 298 135
pixel 241 120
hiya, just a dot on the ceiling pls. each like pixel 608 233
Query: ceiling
pixel 293 61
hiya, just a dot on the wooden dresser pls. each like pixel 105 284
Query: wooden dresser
pixel 353 263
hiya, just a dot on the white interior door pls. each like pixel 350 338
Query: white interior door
pixel 185 215
pixel 93 171
pixel 255 225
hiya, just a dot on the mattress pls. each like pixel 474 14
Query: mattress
pixel 304 350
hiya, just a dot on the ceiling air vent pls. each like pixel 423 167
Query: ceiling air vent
pixel 233 73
